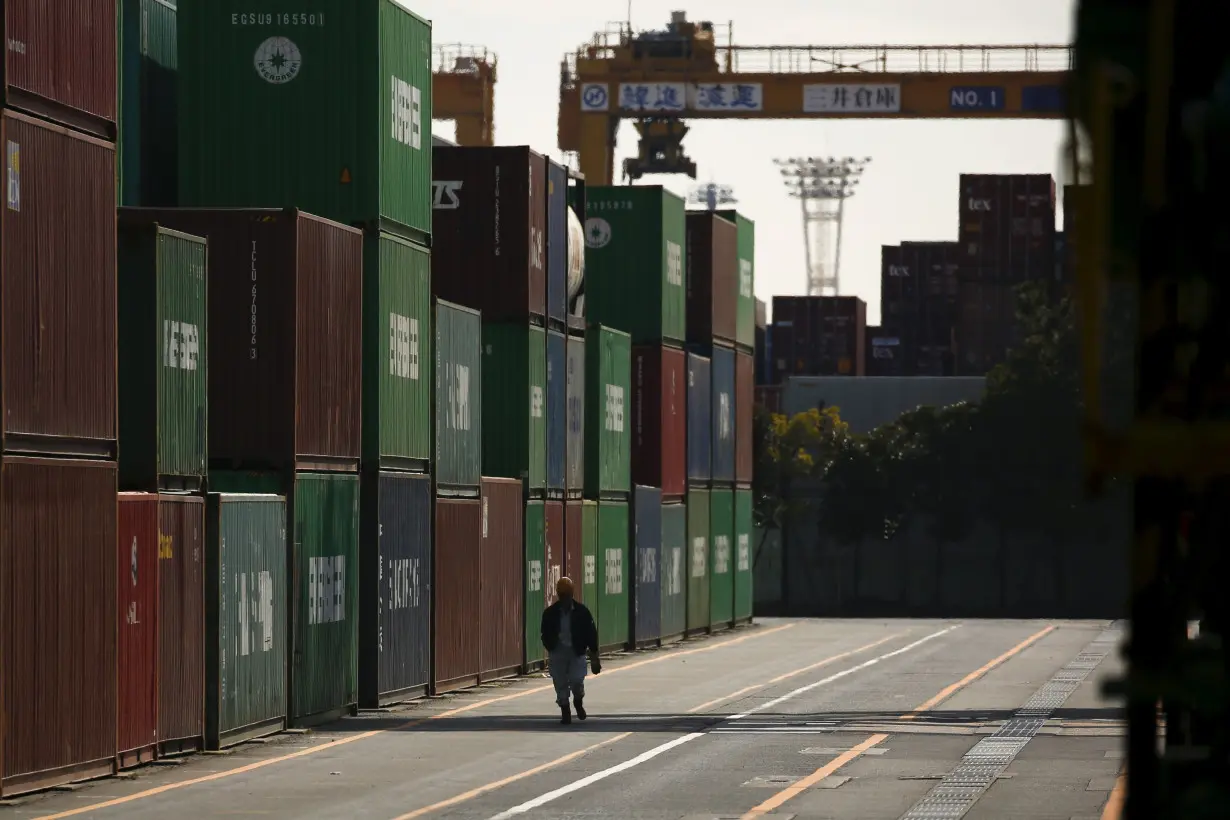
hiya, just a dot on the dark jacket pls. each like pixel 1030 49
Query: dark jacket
pixel 584 631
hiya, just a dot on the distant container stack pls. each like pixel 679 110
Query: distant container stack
pixel 919 289
pixel 818 336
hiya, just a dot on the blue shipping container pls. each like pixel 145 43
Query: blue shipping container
pixel 646 543
pixel 700 419
pixel 557 242
pixel 557 410
pixel 575 468
pixel 723 415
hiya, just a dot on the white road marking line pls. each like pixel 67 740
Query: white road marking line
pixel 585 782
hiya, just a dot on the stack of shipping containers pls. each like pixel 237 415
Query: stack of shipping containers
pixel 918 309
pixel 818 336
pixel 580 515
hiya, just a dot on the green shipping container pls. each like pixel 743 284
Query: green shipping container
pixel 515 418
pixel 397 351
pixel 634 261
pixel 459 406
pixel 613 563
pixel 743 555
pixel 608 427
pixel 323 105
pixel 674 570
pixel 162 358
pixel 698 562
pixel 149 104
pixel 325 566
pixel 745 314
pixel 245 618
pixel 535 595
pixel 589 556
pixel 722 576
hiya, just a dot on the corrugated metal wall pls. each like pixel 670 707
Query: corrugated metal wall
pixel 557 412
pixel 673 570
pixel 698 619
pixel 515 388
pixel 614 564
pixel 745 310
pixel 713 277
pixel 589 555
pixel 744 398
pixel 722 575
pixel 744 556
pixel 700 419
pixel 646 554
pixel 553 555
pixel 557 242
pixel 575 446
pixel 608 404
pixel 502 575
pixel 458 402
pixel 181 621
pixel 457 648
pixel 722 411
pixel 535 594
pixel 149 103
pixel 137 639
pixel 573 543
pixel 659 419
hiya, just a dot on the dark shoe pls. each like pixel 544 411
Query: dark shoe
pixel 565 715
pixel 581 715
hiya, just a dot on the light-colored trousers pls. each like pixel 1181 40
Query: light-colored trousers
pixel 567 673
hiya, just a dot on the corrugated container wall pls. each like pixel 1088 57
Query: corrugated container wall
pixel 246 73
pixel 557 412
pixel 163 358
pixel 659 419
pixel 987 326
pixel 535 596
pixel 285 311
pixel 589 555
pixel 515 391
pixel 57 640
pixel 574 473
pixel 57 297
pixel 324 658
pixel 246 623
pixel 722 576
pixel 1007 227
pixel 744 430
pixel 489 234
pixel 700 419
pixel 60 62
pixel 818 335
pixel 149 104
pixel 673 570
pixel 457 649
pixel 722 413
pixel 181 622
pixel 744 556
pixel 634 262
pixel 397 345
pixel 713 277
pixel 553 560
pixel 395 586
pixel 614 563
pixel 557 243
pixel 745 311
pixel 608 388
pixel 459 405
pixel 646 549
pixel 573 542
pixel 698 617
pixel 502 577
pixel 137 641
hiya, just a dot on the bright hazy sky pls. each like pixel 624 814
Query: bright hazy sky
pixel 908 192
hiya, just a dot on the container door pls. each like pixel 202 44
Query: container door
pixel 700 419
pixel 459 406
pixel 722 578
pixel 404 540
pixel 698 619
pixel 502 575
pixel 647 558
pixel 722 411
pixel 573 515
pixel 181 374
pixel 589 556
pixel 553 561
pixel 613 593
pixel 673 569
pixel 557 404
pixel 456 649
pixel 181 618
pixel 743 555
pixel 575 446
pixel 137 596
pixel 535 595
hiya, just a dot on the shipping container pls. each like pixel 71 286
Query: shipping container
pixel 987 326
pixel 700 419
pixel 744 433
pixel 713 278
pixel 553 561
pixel 325 652
pixel 744 556
pixel 163 358
pixel 919 290
pixel 745 310
pixel 818 335
pixel 1007 226
pixel 634 262
pixel 698 616
pixel 69 75
pixel 515 388
pixel 722 413
pixel 137 621
pixel 489 250
pixel 886 353
pixel 573 540
pixel 456 648
pixel 58 540
pixel 502 579
pixel 360 154
pixel 589 556
pixel 458 402
pixel 181 623
pixel 673 571
pixel 614 592
pixel 646 552
pixel 57 297
pixel 535 596
pixel 557 413
pixel 659 420
pixel 246 623
pixel 608 387
pixel 397 343
pixel 286 315
pixel 149 104
pixel 395 587
pixel 557 244
pixel 574 474
pixel 722 575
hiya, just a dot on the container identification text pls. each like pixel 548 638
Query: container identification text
pixel 614 408
pixel 252 349
pixel 648 566
pixel 407 114
pixel 745 552
pixel 301 18
pixel 326 589
pixel 181 345
pixel 674 572
pixel 724 416
pixel 444 195
pixel 533 576
pixel 699 556
pixel 591 570
pixel 721 555
pixel 255 611
pixel 674 263
pixel 536 402
pixel 403 347
pixel 614 571
pixel 458 416
pixel 403 583
pixel 745 278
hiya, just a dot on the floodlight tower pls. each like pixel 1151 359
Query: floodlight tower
pixel 712 195
pixel 822 185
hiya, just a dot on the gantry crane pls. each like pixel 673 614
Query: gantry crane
pixel 463 90
pixel 661 78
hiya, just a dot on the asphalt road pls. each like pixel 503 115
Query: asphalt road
pixel 854 719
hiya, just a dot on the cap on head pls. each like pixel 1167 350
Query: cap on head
pixel 563 587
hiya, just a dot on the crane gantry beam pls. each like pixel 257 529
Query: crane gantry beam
pixel 463 90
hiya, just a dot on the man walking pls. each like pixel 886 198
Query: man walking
pixel 569 634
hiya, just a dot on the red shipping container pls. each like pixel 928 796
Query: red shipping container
pixel 1007 226
pixel 501 594
pixel 555 548
pixel 659 419
pixel 573 535
pixel 713 277
pixel 137 642
pixel 58 291
pixel 61 63
pixel 285 336
pixel 57 638
pixel 181 623
pixel 745 397
pixel 457 649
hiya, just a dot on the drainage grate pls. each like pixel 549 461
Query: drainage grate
pixel 956 794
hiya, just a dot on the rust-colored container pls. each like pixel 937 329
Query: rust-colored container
pixel 457 640
pixel 555 548
pixel 745 398
pixel 713 277
pixel 60 61
pixel 1007 228
pixel 57 290
pixel 659 419
pixel 502 579
pixel 489 222
pixel 57 637
pixel 573 533
pixel 181 623
pixel 285 336
pixel 137 638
